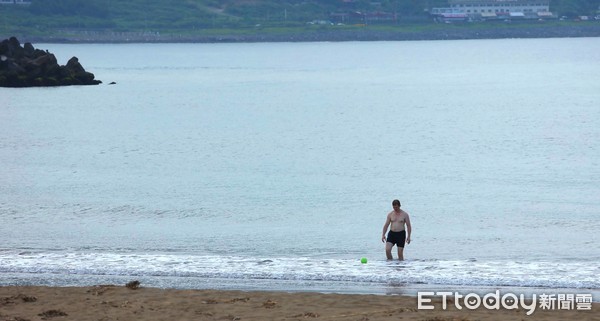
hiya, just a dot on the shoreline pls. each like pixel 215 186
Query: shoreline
pixel 436 32
pixel 109 302
pixel 273 285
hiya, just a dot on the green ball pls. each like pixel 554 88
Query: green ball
pixel 363 260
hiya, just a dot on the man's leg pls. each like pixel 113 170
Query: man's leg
pixel 388 250
pixel 400 253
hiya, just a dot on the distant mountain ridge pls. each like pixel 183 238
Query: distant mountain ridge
pixel 157 15
pixel 269 20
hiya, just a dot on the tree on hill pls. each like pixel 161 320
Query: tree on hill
pixel 574 7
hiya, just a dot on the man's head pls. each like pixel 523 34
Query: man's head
pixel 396 204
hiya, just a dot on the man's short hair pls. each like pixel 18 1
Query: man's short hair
pixel 395 202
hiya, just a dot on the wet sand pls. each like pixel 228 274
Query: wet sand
pixel 108 302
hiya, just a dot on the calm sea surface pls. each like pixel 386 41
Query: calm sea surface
pixel 273 166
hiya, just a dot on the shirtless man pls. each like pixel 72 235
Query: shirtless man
pixel 398 236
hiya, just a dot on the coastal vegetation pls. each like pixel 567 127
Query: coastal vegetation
pixel 204 17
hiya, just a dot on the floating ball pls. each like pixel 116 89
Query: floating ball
pixel 363 260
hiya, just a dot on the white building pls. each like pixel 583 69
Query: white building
pixel 494 9
pixel 15 1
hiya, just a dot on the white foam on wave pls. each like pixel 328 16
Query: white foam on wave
pixel 557 274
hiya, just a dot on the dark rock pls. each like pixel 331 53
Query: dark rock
pixel 52 314
pixel 29 67
pixel 29 50
pixel 14 48
pixel 134 285
pixel 74 66
pixel 45 60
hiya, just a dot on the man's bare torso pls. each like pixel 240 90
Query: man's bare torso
pixel 397 220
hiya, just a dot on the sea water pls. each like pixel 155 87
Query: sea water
pixel 273 166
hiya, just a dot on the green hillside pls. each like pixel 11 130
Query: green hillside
pixel 47 16
pixel 188 14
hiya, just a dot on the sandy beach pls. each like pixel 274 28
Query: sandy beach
pixel 108 302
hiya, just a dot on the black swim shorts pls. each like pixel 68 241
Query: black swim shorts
pixel 396 238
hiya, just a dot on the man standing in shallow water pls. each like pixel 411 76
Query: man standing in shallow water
pixel 396 221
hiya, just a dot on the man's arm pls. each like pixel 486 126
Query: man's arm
pixel 388 220
pixel 408 229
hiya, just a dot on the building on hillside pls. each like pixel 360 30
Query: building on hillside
pixel 468 10
pixel 15 1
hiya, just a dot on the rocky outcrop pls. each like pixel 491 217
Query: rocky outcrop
pixel 25 66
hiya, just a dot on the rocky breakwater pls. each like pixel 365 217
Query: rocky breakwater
pixel 25 66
